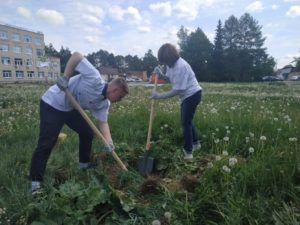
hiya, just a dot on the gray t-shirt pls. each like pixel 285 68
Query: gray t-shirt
pixel 86 88
pixel 183 78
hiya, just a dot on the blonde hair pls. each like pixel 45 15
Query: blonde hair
pixel 121 83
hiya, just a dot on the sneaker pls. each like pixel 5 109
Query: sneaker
pixel 35 188
pixel 196 146
pixel 187 156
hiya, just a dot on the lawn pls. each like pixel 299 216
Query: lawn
pixel 247 171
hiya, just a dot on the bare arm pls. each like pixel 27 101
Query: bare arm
pixel 72 63
pixel 104 128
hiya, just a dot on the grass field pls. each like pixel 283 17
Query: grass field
pixel 247 171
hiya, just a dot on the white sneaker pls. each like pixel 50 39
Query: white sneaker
pixel 187 156
pixel 196 146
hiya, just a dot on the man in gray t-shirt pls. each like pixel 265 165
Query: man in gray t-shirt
pixel 92 93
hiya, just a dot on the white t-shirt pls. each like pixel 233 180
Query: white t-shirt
pixel 86 88
pixel 183 78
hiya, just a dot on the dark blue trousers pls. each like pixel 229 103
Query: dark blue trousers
pixel 51 122
pixel 188 109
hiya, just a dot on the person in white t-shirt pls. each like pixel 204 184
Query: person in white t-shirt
pixel 91 92
pixel 184 84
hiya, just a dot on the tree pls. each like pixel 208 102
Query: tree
pixel 182 35
pixel 217 62
pixel 197 52
pixel 51 51
pixel 149 62
pixel 64 55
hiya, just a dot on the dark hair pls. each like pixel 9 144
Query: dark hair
pixel 168 54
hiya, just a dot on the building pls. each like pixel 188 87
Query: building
pixel 23 56
pixel 108 73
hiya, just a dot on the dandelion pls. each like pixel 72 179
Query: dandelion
pixel 217 129
pixel 226 127
pixel 156 222
pixel 168 216
pixel 218 158
pixel 251 134
pixel 247 139
pixel 226 169
pixel 226 138
pixel 275 119
pixel 263 138
pixel 232 161
pixel 225 153
pixel 210 165
pixel 217 141
pixel 214 110
pixel 166 125
pixel 228 131
pixel 292 139
pixel 251 150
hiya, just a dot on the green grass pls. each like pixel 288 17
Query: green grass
pixel 255 125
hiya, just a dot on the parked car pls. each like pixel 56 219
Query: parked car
pixel 271 78
pixel 159 81
pixel 295 78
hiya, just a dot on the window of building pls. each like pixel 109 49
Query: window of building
pixel 50 74
pixel 41 74
pixel 38 41
pixel 16 37
pixel 39 52
pixel 29 62
pixel 30 74
pixel 19 74
pixel 27 39
pixel 5 60
pixel 18 62
pixel 6 74
pixel 28 51
pixel 17 49
pixel 3 47
pixel 3 34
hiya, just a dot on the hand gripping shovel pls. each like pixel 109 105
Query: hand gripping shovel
pixel 145 163
pixel 93 127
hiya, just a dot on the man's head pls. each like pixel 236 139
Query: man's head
pixel 117 89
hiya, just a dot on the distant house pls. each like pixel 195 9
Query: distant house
pixel 137 74
pixel 108 73
pixel 284 72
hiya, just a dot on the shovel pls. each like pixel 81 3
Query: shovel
pixel 93 127
pixel 145 163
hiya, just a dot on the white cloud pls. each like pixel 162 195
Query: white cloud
pixel 51 16
pixel 116 13
pixel 130 15
pixel 274 6
pixel 256 6
pixel 292 1
pixel 294 11
pixel 91 13
pixel 187 9
pixel 24 12
pixel 164 8
pixel 92 39
pixel 144 29
pixel 91 19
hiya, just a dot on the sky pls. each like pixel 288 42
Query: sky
pixel 133 27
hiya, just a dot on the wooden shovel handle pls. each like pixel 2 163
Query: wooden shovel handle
pixel 151 116
pixel 93 127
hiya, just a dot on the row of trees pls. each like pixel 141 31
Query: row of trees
pixel 104 58
pixel 237 54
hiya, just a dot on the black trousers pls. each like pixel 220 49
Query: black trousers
pixel 51 122
pixel 188 109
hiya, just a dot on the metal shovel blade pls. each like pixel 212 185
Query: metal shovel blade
pixel 145 164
